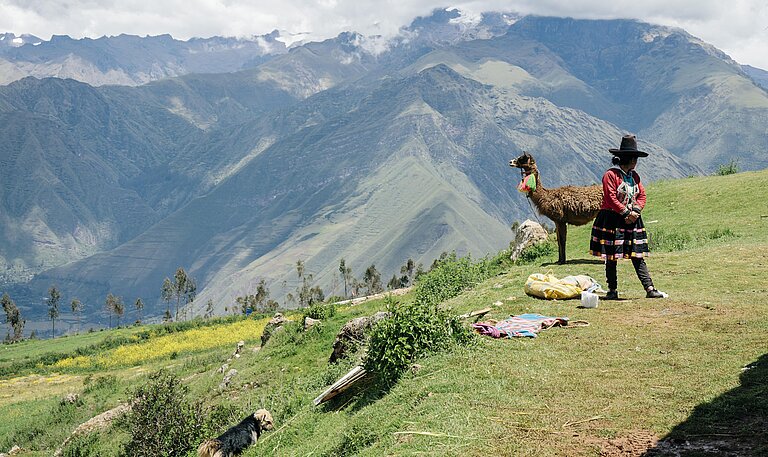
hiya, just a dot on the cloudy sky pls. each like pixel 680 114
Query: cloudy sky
pixel 738 27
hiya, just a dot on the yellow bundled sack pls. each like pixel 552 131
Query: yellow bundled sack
pixel 549 287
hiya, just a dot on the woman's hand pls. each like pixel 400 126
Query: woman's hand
pixel 632 217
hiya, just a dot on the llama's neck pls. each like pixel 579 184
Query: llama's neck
pixel 540 190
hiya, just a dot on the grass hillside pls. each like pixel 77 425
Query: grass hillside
pixel 691 370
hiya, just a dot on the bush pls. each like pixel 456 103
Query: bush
pixel 718 233
pixel 730 168
pixel 417 329
pixel 82 446
pixel 413 331
pixel 106 383
pixel 355 439
pixel 163 421
pixel 320 311
pixel 536 251
pixel 450 275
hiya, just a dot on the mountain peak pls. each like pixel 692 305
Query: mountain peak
pixel 452 25
pixel 11 40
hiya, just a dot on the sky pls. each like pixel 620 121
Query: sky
pixel 738 27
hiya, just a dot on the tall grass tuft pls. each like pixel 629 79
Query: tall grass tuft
pixel 677 240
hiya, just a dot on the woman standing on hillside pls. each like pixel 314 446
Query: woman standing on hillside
pixel 618 231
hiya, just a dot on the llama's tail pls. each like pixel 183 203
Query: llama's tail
pixel 210 448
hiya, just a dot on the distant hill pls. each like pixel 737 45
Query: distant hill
pixel 374 152
pixel 758 75
pixel 128 59
pixel 133 60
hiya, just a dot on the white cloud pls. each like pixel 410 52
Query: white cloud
pixel 738 27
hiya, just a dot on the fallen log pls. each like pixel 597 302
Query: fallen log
pixel 345 382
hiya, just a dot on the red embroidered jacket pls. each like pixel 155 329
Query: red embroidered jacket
pixel 619 196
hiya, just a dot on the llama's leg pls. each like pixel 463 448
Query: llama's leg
pixel 562 233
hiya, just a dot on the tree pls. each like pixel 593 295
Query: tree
pixel 77 309
pixel 407 271
pixel 183 289
pixel 119 309
pixel 13 319
pixel 10 312
pixel 209 309
pixel 245 303
pixel 271 306
pixel 316 295
pixel 394 283
pixel 258 302
pixel 372 280
pixel 357 287
pixel 53 299
pixel 139 305
pixel 307 295
pixel 111 304
pixel 346 274
pixel 302 292
pixel 166 294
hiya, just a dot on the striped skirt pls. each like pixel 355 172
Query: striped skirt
pixel 612 239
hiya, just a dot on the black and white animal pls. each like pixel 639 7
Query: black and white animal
pixel 238 438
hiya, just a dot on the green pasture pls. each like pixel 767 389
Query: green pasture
pixel 693 367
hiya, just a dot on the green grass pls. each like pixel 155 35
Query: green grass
pixel 642 367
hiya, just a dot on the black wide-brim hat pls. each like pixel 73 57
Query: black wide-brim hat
pixel 628 148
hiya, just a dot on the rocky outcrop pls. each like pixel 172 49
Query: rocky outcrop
pixel 527 234
pixel 353 335
pixel 274 325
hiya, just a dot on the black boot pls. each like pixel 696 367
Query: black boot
pixel 653 293
pixel 612 295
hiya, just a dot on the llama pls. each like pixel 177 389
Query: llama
pixel 575 205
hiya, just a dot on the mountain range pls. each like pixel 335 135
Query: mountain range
pixel 355 147
pixel 129 59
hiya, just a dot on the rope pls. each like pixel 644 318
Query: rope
pixel 574 324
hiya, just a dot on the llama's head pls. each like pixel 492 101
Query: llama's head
pixel 525 162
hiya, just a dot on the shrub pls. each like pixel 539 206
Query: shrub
pixel 537 251
pixel 355 439
pixel 82 446
pixel 107 383
pixel 718 233
pixel 320 310
pixel 449 276
pixel 163 421
pixel 729 168
pixel 413 331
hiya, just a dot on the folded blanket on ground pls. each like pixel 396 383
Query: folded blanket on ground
pixel 524 325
